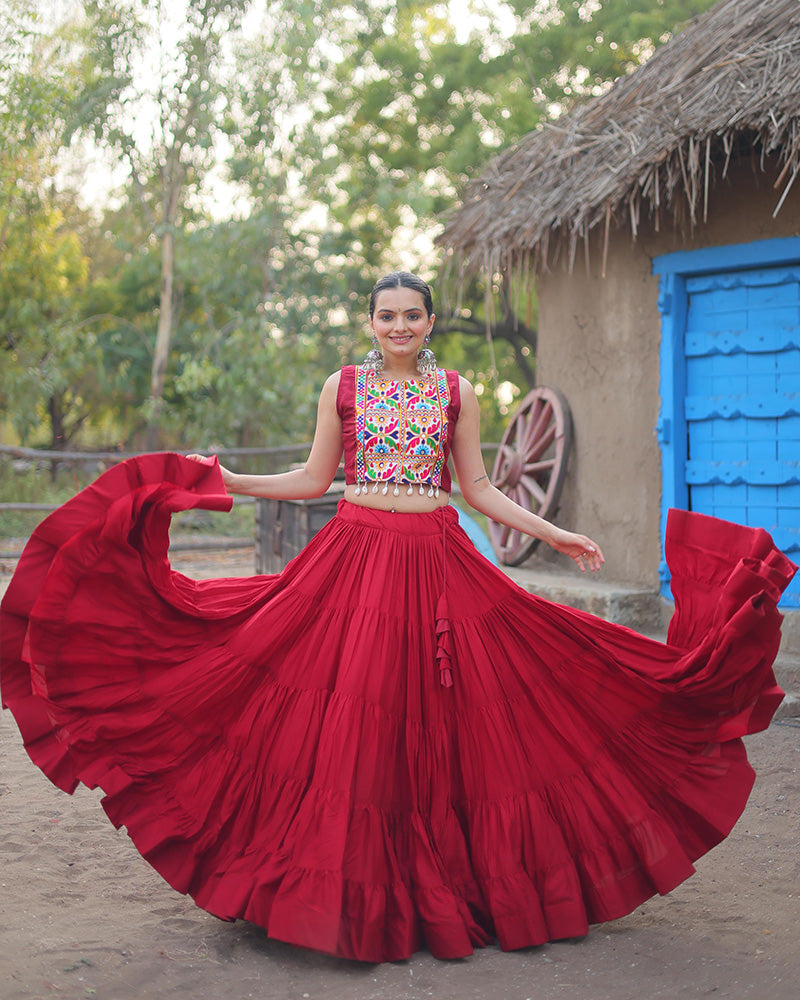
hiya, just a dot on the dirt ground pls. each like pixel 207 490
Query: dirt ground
pixel 82 915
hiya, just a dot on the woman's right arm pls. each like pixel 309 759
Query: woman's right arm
pixel 316 475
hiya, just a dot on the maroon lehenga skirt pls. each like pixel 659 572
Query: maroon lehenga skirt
pixel 389 745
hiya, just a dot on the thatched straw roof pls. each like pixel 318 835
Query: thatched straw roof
pixel 655 142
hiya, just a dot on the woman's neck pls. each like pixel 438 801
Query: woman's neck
pixel 400 373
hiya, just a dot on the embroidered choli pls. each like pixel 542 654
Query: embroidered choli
pixel 397 433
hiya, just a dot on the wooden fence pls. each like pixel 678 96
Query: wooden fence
pixel 100 460
pixel 108 458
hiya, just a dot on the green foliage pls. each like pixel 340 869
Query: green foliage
pixel 42 267
pixel 260 329
pixel 496 390
pixel 257 331
pixel 417 105
pixel 344 130
pixel 45 352
pixel 413 109
pixel 160 64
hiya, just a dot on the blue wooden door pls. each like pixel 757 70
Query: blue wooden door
pixel 742 401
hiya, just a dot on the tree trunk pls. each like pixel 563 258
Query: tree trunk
pixel 163 337
pixel 57 436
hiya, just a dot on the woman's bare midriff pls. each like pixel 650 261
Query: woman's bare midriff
pixel 403 503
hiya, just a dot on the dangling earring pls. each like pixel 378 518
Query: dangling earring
pixel 374 359
pixel 426 359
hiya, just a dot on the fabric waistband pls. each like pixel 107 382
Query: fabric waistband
pixel 431 522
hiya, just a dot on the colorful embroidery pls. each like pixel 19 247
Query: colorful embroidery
pixel 400 429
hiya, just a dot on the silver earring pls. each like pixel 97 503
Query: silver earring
pixel 426 359
pixel 374 359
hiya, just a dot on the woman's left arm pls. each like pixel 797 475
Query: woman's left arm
pixel 479 493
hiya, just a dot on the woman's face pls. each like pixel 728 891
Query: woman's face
pixel 400 323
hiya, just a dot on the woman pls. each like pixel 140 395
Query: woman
pixel 389 745
pixel 401 317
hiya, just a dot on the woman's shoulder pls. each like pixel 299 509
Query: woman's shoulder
pixel 464 384
pixel 330 388
pixel 339 388
pixel 466 393
pixel 347 373
pixel 331 384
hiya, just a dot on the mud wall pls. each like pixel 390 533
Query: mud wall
pixel 599 340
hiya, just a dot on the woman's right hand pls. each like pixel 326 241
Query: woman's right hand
pixel 227 475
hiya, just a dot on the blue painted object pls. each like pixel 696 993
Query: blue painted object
pixel 729 426
pixel 477 535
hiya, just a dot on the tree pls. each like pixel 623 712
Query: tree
pixel 244 100
pixel 345 130
pixel 418 104
pixel 250 362
pixel 164 65
pixel 42 265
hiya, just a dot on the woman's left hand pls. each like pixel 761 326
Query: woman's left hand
pixel 581 549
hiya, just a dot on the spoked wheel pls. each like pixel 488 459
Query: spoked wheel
pixel 530 467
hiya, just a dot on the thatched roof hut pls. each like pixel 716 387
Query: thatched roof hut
pixel 676 346
pixel 655 143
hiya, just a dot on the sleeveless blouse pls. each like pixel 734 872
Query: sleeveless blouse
pixel 397 432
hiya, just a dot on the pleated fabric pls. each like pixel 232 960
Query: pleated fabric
pixel 389 745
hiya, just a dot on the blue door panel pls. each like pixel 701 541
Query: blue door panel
pixel 736 377
pixel 759 338
pixel 758 405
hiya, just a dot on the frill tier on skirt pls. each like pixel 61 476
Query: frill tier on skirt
pixel 283 747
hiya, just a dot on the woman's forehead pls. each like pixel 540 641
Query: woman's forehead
pixel 399 299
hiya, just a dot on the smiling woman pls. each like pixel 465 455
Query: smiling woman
pixel 389 745
pixel 401 317
pixel 401 327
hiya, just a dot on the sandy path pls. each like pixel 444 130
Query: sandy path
pixel 82 915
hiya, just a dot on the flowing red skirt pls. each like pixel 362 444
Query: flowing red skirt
pixel 283 748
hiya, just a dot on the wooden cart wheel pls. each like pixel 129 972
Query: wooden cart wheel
pixel 530 467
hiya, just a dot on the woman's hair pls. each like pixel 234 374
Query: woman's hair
pixel 402 279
